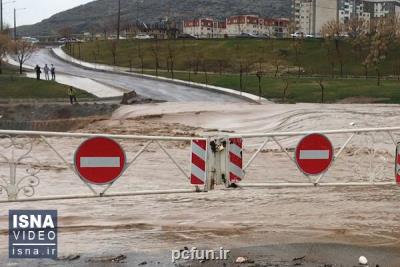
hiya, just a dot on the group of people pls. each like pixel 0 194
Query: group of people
pixel 47 71
pixel 52 70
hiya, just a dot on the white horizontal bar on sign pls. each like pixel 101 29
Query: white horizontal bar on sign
pixel 88 135
pixel 314 154
pixel 100 162
pixel 273 134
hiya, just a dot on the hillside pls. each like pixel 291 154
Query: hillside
pixel 96 14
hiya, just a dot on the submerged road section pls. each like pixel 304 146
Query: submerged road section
pixel 148 88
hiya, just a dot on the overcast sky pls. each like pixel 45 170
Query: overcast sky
pixel 37 10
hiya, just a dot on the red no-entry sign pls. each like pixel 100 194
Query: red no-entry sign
pixel 99 160
pixel 314 154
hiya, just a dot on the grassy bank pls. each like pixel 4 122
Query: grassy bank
pixel 16 87
pixel 311 56
pixel 222 60
pixel 304 90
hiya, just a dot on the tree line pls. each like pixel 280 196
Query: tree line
pixel 20 48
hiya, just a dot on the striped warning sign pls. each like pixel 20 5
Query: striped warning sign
pixel 236 173
pixel 199 157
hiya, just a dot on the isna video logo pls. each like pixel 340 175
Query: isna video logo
pixel 32 234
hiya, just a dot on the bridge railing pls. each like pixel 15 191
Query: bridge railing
pixel 361 157
pixel 39 166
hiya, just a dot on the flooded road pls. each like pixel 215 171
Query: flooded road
pixel 145 87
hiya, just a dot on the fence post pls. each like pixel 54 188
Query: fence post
pixel 217 156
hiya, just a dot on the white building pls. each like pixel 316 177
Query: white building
pixel 236 26
pixel 204 28
pixel 310 15
pixel 381 8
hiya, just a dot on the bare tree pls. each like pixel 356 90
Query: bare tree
pixel 278 57
pixel 155 49
pixel 4 48
pixel 322 86
pixel 113 46
pixel 357 29
pixel 23 51
pixel 380 39
pixel 140 55
pixel 222 63
pixel 107 25
pixel 285 89
pixel 205 65
pixel 297 47
pixel 189 66
pixel 260 75
pixel 171 56
pixel 240 64
pixel 330 55
pixel 66 32
pixel 332 32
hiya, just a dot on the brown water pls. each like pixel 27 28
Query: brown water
pixel 234 218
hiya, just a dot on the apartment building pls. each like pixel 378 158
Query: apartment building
pixel 204 28
pixel 310 15
pixel 381 8
pixel 235 26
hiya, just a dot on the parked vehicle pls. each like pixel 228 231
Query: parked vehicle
pixel 69 40
pixel 30 40
pixel 186 36
pixel 247 35
pixel 297 35
pixel 143 36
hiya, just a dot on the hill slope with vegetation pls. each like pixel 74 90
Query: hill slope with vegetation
pixel 97 14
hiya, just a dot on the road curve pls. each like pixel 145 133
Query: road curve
pixel 148 88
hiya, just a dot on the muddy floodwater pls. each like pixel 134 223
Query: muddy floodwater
pixel 223 217
pixel 141 226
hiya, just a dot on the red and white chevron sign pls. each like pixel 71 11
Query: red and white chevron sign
pixel 198 174
pixel 236 173
pixel 398 164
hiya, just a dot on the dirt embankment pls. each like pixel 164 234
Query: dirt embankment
pixel 52 117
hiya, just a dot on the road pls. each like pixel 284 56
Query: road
pixel 147 88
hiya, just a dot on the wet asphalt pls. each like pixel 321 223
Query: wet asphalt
pixel 145 87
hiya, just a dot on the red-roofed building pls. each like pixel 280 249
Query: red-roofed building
pixel 204 28
pixel 235 26
pixel 256 26
pixel 246 24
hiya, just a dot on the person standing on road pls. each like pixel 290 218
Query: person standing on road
pixel 46 72
pixel 38 72
pixel 53 72
pixel 72 95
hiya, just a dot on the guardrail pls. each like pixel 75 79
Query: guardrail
pixel 361 157
pixel 20 169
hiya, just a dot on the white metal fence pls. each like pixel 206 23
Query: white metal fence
pixel 362 157
pixel 38 166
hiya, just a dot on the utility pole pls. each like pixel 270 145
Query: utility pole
pixel 15 24
pixel 1 16
pixel 1 13
pixel 119 19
